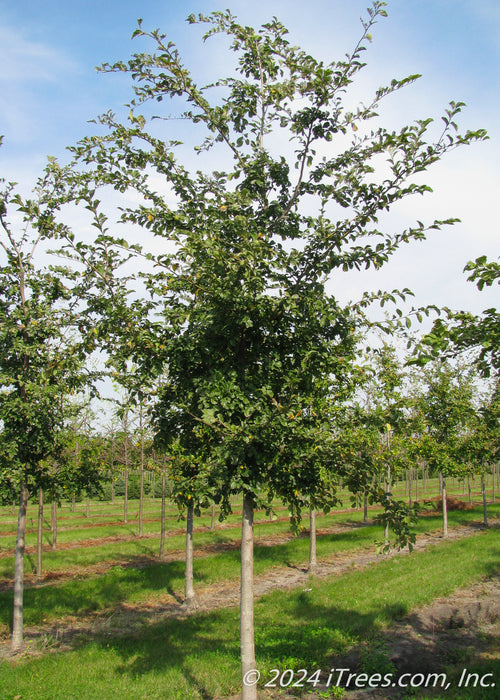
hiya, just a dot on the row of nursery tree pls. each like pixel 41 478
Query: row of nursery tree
pixel 394 427
pixel 440 421
pixel 203 287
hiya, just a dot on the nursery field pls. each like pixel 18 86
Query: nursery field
pixel 106 617
pixel 192 307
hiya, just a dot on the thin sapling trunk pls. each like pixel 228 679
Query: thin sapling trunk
pixel 141 489
pixel 125 498
pixel 388 492
pixel 17 623
pixel 445 505
pixel 162 517
pixel 247 642
pixel 312 542
pixel 189 597
pixel 39 536
pixel 485 509
pixel 53 523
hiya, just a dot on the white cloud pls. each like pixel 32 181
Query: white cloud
pixel 26 61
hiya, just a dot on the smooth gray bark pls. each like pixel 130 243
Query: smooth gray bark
pixel 162 517
pixel 39 535
pixel 141 490
pixel 445 506
pixel 189 596
pixel 388 488
pixel 53 523
pixel 141 500
pixel 247 642
pixel 125 460
pixel 17 622
pixel 312 542
pixel 125 498
pixel 485 509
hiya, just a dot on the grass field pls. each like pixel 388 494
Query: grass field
pixel 198 656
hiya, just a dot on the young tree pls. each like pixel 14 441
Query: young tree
pixel 480 446
pixel 40 362
pixel 446 406
pixel 374 442
pixel 242 319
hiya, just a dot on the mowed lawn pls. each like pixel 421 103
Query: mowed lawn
pixel 198 657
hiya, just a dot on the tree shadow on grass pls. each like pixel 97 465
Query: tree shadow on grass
pixel 204 648
pixel 193 647
pixel 83 596
pixel 293 630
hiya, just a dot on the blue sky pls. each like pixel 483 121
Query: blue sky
pixel 49 89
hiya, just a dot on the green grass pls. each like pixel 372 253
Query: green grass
pixel 149 547
pixel 83 595
pixel 137 548
pixel 198 657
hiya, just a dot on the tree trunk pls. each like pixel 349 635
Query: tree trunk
pixel 445 505
pixel 17 623
pixel 141 499
pixel 485 510
pixel 87 512
pixel 312 542
pixel 112 491
pixel 189 596
pixel 39 536
pixel 153 486
pixel 162 517
pixel 125 461
pixel 53 523
pixel 212 522
pixel 141 488
pixel 410 486
pixel 73 503
pixel 247 643
pixel 470 490
pixel 125 498
pixel 493 484
pixel 388 492
pixel 365 506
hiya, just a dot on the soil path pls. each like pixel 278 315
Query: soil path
pixel 66 574
pixel 127 618
pixel 132 536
